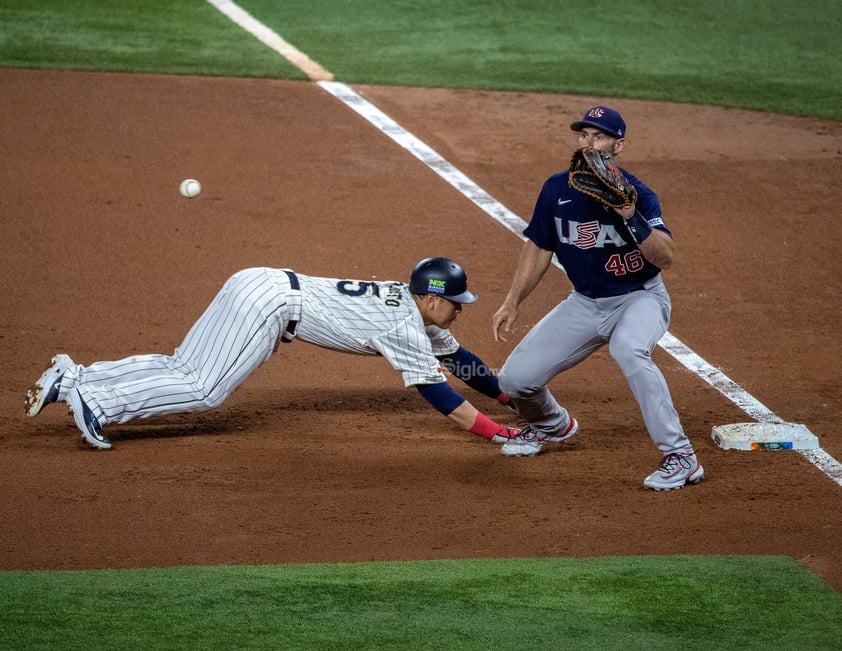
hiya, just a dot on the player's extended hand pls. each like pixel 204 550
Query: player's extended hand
pixel 507 434
pixel 501 323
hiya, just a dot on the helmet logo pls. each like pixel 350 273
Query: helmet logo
pixel 435 286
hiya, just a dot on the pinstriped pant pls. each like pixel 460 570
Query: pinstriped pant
pixel 237 333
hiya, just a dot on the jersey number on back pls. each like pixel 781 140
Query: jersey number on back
pixel 363 288
pixel 357 288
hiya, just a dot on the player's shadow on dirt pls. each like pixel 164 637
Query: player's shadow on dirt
pixel 164 427
pixel 260 409
pixel 347 400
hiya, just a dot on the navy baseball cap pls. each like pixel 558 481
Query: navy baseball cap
pixel 604 119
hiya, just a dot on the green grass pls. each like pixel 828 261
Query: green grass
pixel 776 55
pixel 166 36
pixel 771 55
pixel 625 603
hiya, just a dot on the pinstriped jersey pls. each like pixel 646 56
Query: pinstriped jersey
pixel 373 318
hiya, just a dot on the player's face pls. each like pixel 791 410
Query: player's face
pixel 442 312
pixel 596 139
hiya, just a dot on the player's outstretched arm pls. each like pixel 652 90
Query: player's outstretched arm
pixel 464 414
pixel 474 372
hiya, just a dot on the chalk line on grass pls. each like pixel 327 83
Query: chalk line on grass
pixel 269 37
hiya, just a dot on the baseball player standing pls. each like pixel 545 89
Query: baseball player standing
pixel 614 259
pixel 259 308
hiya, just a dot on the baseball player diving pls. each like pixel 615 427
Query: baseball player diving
pixel 259 308
pixel 613 246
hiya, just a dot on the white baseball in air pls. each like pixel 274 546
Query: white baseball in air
pixel 190 188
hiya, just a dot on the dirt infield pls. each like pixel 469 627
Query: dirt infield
pixel 324 457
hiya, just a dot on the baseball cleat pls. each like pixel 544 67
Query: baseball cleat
pixel 46 390
pixel 676 470
pixel 86 421
pixel 529 442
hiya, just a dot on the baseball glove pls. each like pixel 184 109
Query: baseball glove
pixel 595 173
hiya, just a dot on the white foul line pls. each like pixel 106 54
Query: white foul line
pixel 270 38
pixel 713 376
pixel 426 155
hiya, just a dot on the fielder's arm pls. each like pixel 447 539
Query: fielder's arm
pixel 655 245
pixel 531 267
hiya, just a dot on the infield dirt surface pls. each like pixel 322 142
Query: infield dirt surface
pixel 325 457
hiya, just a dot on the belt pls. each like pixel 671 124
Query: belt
pixel 293 279
pixel 292 325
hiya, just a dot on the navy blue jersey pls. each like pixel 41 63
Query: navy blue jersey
pixel 590 241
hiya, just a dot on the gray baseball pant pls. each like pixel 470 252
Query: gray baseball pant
pixel 577 327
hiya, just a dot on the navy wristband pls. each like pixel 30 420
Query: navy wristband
pixel 638 227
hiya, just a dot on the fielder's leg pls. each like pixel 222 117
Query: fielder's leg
pixel 643 321
pixel 563 338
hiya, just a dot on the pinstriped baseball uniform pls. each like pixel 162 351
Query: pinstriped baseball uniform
pixel 254 311
pixel 372 318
